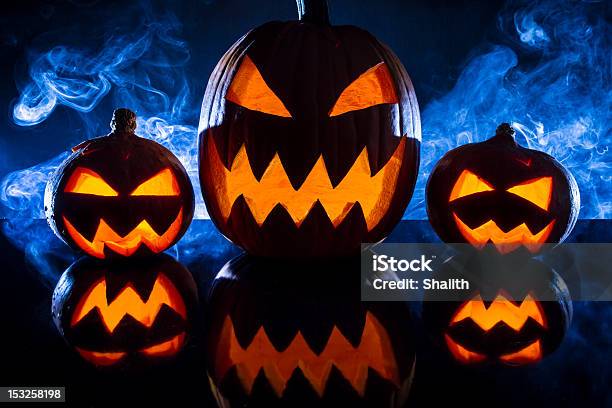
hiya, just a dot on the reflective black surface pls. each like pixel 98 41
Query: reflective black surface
pixel 34 353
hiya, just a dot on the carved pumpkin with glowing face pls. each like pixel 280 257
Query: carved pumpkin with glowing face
pixel 309 138
pixel 120 195
pixel 516 312
pixel 273 342
pixel 501 193
pixel 125 314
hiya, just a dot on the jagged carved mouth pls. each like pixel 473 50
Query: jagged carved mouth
pixel 500 315
pixel 107 358
pixel 373 192
pixel 127 245
pixel 130 303
pixel 374 352
pixel 504 241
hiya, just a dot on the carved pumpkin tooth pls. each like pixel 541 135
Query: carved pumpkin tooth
pixel 87 226
pixel 249 329
pixel 259 157
pixel 317 336
pixel 339 164
pixel 242 218
pixel 143 283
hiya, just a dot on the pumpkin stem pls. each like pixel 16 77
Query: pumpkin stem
pixel 123 122
pixel 313 11
pixel 505 133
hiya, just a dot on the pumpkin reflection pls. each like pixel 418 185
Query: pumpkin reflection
pixel 271 339
pixel 128 313
pixel 516 312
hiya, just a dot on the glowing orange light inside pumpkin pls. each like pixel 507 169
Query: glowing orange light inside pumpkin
pixel 537 191
pixel 249 90
pixel 129 302
pixel 86 181
pixel 467 184
pixel 164 349
pixel 101 358
pixel 129 244
pixel 374 87
pixel 500 310
pixel 373 352
pixel 462 354
pixel 373 193
pixel 528 355
pixel 505 242
pixel 162 184
pixel 167 348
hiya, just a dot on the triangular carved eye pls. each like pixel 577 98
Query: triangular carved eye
pixel 87 181
pixel 374 87
pixel 249 90
pixel 467 184
pixel 162 184
pixel 538 191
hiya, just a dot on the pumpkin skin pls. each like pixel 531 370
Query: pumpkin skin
pixel 501 193
pixel 276 340
pixel 516 312
pixel 309 138
pixel 127 315
pixel 120 195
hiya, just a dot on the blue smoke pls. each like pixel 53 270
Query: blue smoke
pixel 551 80
pixel 140 66
pixel 549 76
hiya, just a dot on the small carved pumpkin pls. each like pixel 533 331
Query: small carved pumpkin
pixel 516 312
pixel 120 195
pixel 501 193
pixel 125 314
pixel 309 138
pixel 273 341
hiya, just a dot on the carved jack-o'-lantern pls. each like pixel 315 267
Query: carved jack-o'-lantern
pixel 309 138
pixel 125 314
pixel 516 311
pixel 271 342
pixel 120 195
pixel 499 192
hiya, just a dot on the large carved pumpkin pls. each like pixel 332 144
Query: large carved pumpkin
pixel 128 314
pixel 120 195
pixel 275 340
pixel 501 193
pixel 516 311
pixel 309 138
